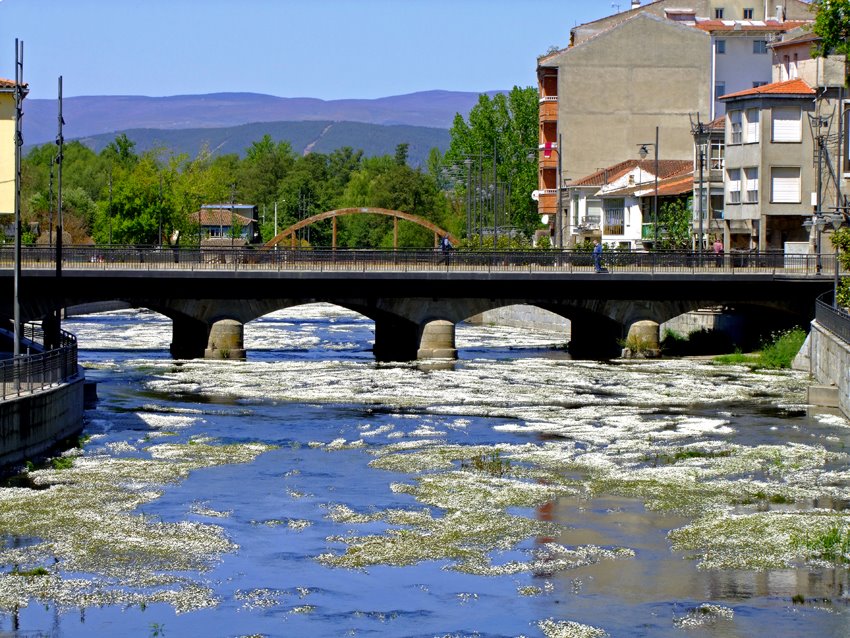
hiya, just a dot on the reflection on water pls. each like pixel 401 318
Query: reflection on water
pixel 513 492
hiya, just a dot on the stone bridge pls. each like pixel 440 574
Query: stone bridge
pixel 414 302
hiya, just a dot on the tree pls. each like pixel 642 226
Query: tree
pixel 503 128
pixel 832 26
pixel 674 221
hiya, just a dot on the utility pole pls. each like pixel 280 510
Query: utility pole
pixel 60 156
pixel 19 142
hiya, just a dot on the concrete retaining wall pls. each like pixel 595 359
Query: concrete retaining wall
pixel 829 359
pixel 727 323
pixel 522 316
pixel 31 425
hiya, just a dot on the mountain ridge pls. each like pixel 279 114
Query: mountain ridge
pixel 88 116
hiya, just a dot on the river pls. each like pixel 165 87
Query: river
pixel 310 491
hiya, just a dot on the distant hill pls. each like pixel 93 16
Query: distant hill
pixel 90 116
pixel 316 136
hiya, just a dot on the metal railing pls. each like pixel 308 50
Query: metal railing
pixel 151 258
pixel 34 372
pixel 836 320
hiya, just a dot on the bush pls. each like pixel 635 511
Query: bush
pixel 780 352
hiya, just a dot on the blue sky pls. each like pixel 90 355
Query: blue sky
pixel 328 49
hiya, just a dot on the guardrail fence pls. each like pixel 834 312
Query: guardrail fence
pixel 836 320
pixel 326 259
pixel 30 373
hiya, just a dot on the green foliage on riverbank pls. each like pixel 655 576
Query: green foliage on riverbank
pixel 777 353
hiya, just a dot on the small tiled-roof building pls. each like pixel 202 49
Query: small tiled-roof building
pixel 222 224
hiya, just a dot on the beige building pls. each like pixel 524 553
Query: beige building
pixel 649 67
pixel 7 149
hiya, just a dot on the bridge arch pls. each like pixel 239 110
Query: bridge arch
pixel 367 210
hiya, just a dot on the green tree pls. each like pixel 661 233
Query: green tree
pixel 674 221
pixel 503 129
pixel 832 26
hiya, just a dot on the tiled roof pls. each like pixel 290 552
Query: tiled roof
pixel 788 87
pixel 765 26
pixel 678 184
pixel 8 84
pixel 220 217
pixel 666 168
pixel 800 39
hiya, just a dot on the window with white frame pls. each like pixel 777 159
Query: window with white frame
pixel 733 186
pixel 716 156
pixel 751 185
pixel 785 184
pixel 751 133
pixel 787 124
pixel 721 47
pixel 734 127
pixel 760 47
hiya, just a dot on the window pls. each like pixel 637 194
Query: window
pixel 751 178
pixel 785 184
pixel 752 130
pixel 760 47
pixel 718 13
pixel 792 71
pixel 716 156
pixel 720 47
pixel 748 14
pixel 614 216
pixel 787 124
pixel 719 89
pixel 733 186
pixel 734 130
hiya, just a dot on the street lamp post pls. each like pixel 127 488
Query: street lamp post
pixel 643 153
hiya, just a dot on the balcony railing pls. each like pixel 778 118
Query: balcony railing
pixel 548 109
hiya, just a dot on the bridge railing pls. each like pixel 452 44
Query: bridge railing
pixel 326 259
pixel 39 369
pixel 836 320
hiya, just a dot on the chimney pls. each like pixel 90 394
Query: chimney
pixel 635 4
pixel 780 13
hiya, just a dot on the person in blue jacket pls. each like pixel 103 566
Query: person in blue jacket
pixel 597 256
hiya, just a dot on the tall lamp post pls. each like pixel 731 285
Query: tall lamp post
pixel 643 152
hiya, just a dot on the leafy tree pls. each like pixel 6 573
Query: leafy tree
pixel 832 26
pixel 505 128
pixel 264 166
pixel 674 221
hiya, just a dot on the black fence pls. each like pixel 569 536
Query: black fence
pixel 836 320
pixel 326 259
pixel 40 369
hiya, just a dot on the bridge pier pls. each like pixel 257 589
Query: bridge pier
pixel 226 340
pixel 437 340
pixel 188 337
pixel 642 340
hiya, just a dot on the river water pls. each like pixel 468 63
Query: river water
pixel 312 492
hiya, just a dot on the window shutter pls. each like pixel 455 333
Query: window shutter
pixel 785 185
pixel 787 124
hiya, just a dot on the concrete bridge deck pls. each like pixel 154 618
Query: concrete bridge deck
pixel 414 297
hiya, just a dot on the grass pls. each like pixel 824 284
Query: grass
pixel 831 544
pixel 776 354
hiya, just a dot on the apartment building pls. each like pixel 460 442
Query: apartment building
pixel 7 149
pixel 651 66
pixel 785 159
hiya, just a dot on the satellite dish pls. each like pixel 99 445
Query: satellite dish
pixel 535 195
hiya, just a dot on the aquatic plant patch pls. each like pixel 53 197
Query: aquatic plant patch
pixel 84 522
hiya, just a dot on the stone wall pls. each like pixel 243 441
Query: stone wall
pixel 522 316
pixel 32 424
pixel 830 363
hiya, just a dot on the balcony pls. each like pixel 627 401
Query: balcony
pixel 548 109
pixel 586 224
pixel 547 202
pixel 552 160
